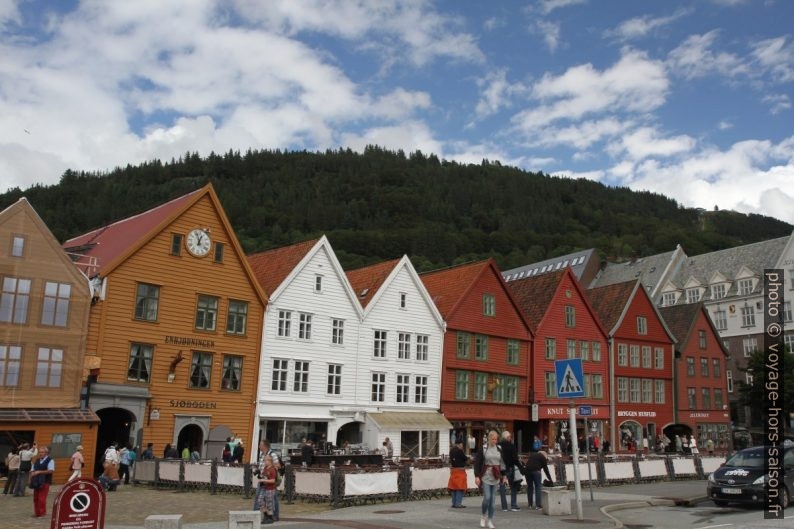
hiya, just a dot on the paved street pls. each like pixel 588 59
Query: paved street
pixel 703 516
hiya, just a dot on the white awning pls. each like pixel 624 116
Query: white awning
pixel 410 420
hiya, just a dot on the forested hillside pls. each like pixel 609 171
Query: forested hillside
pixel 381 204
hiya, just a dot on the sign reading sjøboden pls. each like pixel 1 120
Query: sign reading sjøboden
pixel 80 504
pixel 570 380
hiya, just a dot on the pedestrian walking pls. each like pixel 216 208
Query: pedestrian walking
pixel 536 462
pixel 77 464
pixel 264 451
pixel 266 490
pixel 12 464
pixel 488 475
pixel 26 455
pixel 509 464
pixel 710 446
pixel 40 481
pixel 457 483
pixel 124 464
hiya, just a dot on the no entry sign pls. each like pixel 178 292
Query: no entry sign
pixel 79 505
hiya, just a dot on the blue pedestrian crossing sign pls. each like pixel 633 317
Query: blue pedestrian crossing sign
pixel 570 381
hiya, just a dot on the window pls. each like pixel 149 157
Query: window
pixel 659 396
pixel 623 354
pixel 237 316
pixel 598 387
pixel 706 398
pixel 404 346
pixel 729 380
pixel 551 384
pixel 634 389
pixel 634 359
pixel 702 339
pixel 704 367
pixel 231 374
pixel 403 300
pixel 788 342
pixel 584 350
pixel 337 331
pixel 690 366
pixel 718 403
pixel 749 345
pixel 551 348
pixel 200 370
pixel 280 368
pixel 646 356
pixel 176 244
pixel 403 385
pixel 658 362
pixel 588 385
pixel 480 386
pixel 511 390
pixel 422 347
pixel 305 326
pixel 596 351
pixel 55 308
pixel 647 391
pixel 715 367
pixel 318 283
pixel 720 320
pixel 642 325
pixel 570 316
pixel 480 347
pixel 718 291
pixel 378 387
pixel 488 305
pixel 512 352
pixel 218 257
pixel 334 386
pixel 464 345
pixel 748 379
pixel 14 300
pixel 284 323
pixel 745 286
pixel 300 379
pixel 668 298
pixel 691 398
pixel 17 246
pixel 571 348
pixel 379 346
pixel 49 367
pixel 420 390
pixel 727 345
pixel 787 311
pixel 10 357
pixel 462 385
pixel 623 389
pixel 206 312
pixel 139 368
pixel 692 295
pixel 146 301
pixel 748 316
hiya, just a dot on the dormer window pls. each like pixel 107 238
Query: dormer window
pixel 17 246
pixel 718 291
pixel 745 286
pixel 642 325
pixel 318 283
pixel 488 305
pixel 692 295
pixel 668 299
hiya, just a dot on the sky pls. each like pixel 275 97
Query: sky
pixel 689 99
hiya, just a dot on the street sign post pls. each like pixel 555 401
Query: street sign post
pixel 570 381
pixel 585 411
pixel 577 482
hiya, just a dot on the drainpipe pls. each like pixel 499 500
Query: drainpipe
pixel 612 412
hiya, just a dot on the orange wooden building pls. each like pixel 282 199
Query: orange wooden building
pixel 175 328
pixel 44 309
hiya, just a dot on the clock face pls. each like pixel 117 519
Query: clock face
pixel 198 242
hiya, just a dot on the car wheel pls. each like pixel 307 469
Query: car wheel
pixel 720 503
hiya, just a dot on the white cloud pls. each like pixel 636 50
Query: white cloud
pixel 724 125
pixel 547 6
pixel 695 58
pixel 550 31
pixel 729 3
pixel 646 142
pixel 777 56
pixel 496 93
pixel 493 23
pixel 641 26
pixel 409 136
pixel 9 13
pixel 777 102
pixel 581 135
pixel 589 175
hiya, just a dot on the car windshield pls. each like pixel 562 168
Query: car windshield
pixel 747 458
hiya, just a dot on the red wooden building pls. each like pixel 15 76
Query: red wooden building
pixel 487 345
pixel 564 325
pixel 702 386
pixel 642 349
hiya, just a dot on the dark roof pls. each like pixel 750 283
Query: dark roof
pixel 272 267
pixel 576 260
pixel 610 301
pixel 367 280
pixel 649 270
pixel 534 294
pixel 448 286
pixel 680 319
pixel 48 415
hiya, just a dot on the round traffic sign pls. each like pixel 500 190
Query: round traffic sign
pixel 80 502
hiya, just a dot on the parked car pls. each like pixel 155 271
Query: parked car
pixel 742 478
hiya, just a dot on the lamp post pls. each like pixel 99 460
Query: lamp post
pixel 575 452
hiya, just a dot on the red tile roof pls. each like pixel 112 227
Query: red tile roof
pixel 609 301
pixel 533 295
pixel 367 280
pixel 680 319
pixel 272 267
pixel 448 286
pixel 109 242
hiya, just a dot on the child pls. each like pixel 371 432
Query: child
pixel 267 489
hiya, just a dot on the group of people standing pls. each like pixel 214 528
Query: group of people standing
pixel 31 466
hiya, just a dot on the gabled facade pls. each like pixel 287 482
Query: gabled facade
pixel 399 360
pixel 307 378
pixel 44 308
pixel 175 327
pixel 487 347
pixel 565 325
pixel 641 352
pixel 702 381
pixel 653 272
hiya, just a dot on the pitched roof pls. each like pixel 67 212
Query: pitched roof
pixel 448 286
pixel 649 270
pixel 576 260
pixel 108 243
pixel 367 280
pixel 680 319
pixel 533 294
pixel 610 301
pixel 272 267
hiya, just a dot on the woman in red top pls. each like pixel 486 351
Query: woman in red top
pixel 267 489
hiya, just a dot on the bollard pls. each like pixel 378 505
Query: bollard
pixel 163 521
pixel 245 519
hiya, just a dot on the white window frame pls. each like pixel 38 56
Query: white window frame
pixel 668 299
pixel 379 343
pixel 596 348
pixel 300 378
pixel 623 389
pixel 745 286
pixel 404 346
pixel 635 395
pixel 422 347
pixel 420 389
pixel 634 355
pixel 693 295
pixel 318 283
pixel 749 345
pixel 402 388
pixel 642 325
pixel 334 381
pixel 658 358
pixel 378 393
pixel 623 354
pixel 748 316
pixel 337 331
pixel 718 291
pixel 304 326
pixel 284 323
pixel 729 380
pixel 280 374
pixel 659 391
pixel 647 391
pixel 646 357
pixel 720 320
pixel 550 382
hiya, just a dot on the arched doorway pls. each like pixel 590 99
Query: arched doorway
pixel 673 430
pixel 192 437
pixel 630 436
pixel 350 433
pixel 114 427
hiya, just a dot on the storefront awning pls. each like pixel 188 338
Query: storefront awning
pixel 47 415
pixel 410 420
